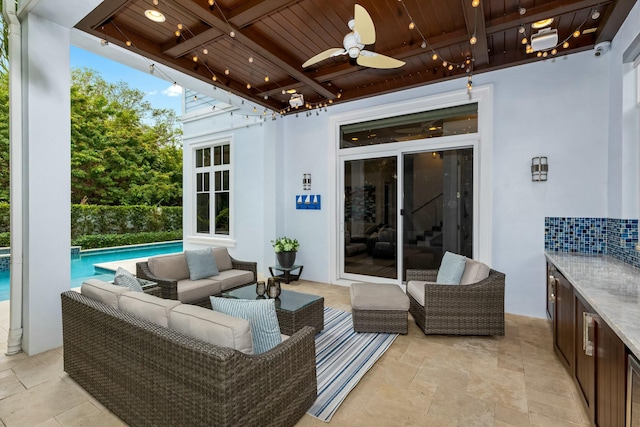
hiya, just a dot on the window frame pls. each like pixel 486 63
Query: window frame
pixel 212 236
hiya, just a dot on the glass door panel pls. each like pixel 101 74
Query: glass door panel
pixel 370 217
pixel 437 207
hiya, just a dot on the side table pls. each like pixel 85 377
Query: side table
pixel 287 272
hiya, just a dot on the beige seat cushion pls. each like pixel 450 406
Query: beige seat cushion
pixel 172 267
pixel 474 271
pixel 192 290
pixel 148 307
pixel 378 296
pixel 212 327
pixel 222 258
pixel 103 292
pixel 415 288
pixel 232 278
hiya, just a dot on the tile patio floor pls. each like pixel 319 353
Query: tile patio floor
pixel 432 381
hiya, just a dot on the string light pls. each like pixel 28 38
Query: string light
pixel 177 33
pixel 128 42
pixel 266 78
pixel 521 29
pixel 473 39
pixel 205 51
pixel 248 85
pixel 576 33
pixel 232 34
pixel 475 3
pixel 155 2
pixel 554 51
pixel 434 56
pixel 524 40
pixel 226 72
pixel 565 45
pixel 211 2
pixel 251 59
pixel 412 25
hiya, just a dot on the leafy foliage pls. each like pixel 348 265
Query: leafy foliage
pixel 4 137
pixel 123 151
pixel 110 240
pixel 285 244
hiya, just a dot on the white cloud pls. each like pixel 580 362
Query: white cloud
pixel 173 90
pixel 152 92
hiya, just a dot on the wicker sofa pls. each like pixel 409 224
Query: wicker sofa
pixel 171 273
pixel 150 375
pixel 470 309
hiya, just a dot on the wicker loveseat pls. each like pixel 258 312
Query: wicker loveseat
pixel 150 375
pixel 171 273
pixel 473 309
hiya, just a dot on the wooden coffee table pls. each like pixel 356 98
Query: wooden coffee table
pixel 294 309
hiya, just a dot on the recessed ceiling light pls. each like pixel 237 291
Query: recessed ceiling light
pixel 154 15
pixel 589 30
pixel 291 91
pixel 542 23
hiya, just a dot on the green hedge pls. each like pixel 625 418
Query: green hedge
pixel 97 219
pixel 108 240
pixel 4 218
pixel 5 240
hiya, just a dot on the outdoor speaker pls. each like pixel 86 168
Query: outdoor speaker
pixel 545 39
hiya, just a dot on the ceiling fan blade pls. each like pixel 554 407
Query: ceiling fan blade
pixel 375 60
pixel 363 24
pixel 335 51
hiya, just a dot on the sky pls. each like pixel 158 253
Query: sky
pixel 160 93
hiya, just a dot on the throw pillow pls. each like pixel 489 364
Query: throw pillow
pixel 126 279
pixel 201 264
pixel 451 269
pixel 262 318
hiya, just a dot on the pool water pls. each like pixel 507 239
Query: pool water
pixel 82 266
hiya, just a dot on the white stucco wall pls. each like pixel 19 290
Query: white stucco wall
pixel 565 108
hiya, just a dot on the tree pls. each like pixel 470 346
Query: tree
pixel 123 151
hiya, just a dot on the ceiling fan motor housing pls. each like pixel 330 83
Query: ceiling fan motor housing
pixel 352 45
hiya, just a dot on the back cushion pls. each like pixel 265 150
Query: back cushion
pixel 223 260
pixel 172 267
pixel 103 292
pixel 148 307
pixel 474 271
pixel 212 327
pixel 451 269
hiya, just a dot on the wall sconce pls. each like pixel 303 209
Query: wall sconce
pixel 306 181
pixel 539 169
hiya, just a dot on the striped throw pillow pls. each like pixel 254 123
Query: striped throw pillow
pixel 262 318
pixel 124 278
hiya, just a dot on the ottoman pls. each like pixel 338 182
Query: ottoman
pixel 379 307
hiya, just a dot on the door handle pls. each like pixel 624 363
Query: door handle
pixel 587 324
pixel 551 288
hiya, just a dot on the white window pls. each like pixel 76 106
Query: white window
pixel 213 190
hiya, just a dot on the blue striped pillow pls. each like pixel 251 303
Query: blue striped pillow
pixel 262 318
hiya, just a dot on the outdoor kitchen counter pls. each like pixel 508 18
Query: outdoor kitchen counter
pixel 611 287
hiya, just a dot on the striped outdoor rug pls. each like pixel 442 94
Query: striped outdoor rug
pixel 342 358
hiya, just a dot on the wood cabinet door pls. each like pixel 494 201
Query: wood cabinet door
pixel 563 322
pixel 611 361
pixel 584 363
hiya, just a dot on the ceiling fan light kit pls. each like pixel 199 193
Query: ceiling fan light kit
pixel 362 33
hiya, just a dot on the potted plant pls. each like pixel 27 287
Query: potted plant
pixel 285 249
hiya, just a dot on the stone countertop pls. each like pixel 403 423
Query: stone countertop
pixel 611 287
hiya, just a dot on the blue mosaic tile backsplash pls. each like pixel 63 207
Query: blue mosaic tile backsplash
pixel 611 236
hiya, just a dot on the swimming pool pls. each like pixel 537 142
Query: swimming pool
pixel 82 265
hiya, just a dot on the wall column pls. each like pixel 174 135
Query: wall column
pixel 46 180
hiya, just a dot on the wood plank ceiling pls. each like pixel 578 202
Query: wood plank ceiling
pixel 256 48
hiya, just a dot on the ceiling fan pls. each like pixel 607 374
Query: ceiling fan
pixel 362 33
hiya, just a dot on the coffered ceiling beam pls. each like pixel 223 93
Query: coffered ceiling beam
pixel 205 15
pixel 549 10
pixel 474 18
pixel 613 19
pixel 250 11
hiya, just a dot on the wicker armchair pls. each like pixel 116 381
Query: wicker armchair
pixel 476 309
pixel 152 376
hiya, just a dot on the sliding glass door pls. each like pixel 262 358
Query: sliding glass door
pixel 437 206
pixel 434 190
pixel 370 217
